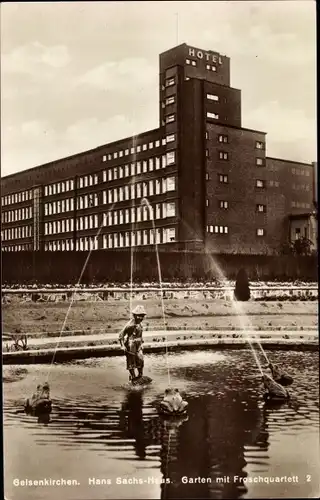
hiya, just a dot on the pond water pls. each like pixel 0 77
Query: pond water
pixel 231 445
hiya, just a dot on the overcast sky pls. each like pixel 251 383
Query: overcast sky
pixel 78 75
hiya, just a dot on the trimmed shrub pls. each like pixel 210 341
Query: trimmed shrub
pixel 242 289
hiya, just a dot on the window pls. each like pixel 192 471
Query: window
pixel 169 235
pixel 120 154
pixel 261 208
pixel 109 156
pixel 171 184
pixel 150 164
pixel 223 204
pixel 212 97
pixel 223 179
pixel 193 63
pixel 259 145
pixel 138 167
pixel 170 138
pixel 171 158
pixel 223 155
pixel 188 61
pixel 170 209
pixel 126 152
pixel 157 144
pixel 218 229
pixel 157 163
pixel 115 155
pixel 212 115
pixel 223 138
pixel 144 166
pixel 158 211
pixel 260 232
pixel 144 147
pixel 259 161
pixel 169 118
pixel 170 100
pixel 150 145
pixel 170 81
pixel 260 183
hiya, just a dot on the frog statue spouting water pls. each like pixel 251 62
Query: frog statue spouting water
pixel 172 403
pixel 40 401
pixel 279 375
pixel 274 391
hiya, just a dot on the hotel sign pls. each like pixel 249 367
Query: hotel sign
pixel 212 58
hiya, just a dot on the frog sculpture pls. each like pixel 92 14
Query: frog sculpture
pixel 172 403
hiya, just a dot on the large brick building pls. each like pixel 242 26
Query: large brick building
pixel 207 179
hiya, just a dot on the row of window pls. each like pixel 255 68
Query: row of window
pixel 139 167
pixel 67 225
pixel 210 67
pixel 19 214
pixel 59 226
pixel 140 237
pixel 116 240
pixel 224 155
pixel 116 217
pixel 191 62
pixel 68 185
pixel 225 230
pixel 122 193
pixel 224 138
pixel 301 187
pixel 87 201
pixel 133 150
pixel 224 204
pixel 59 206
pixel 17 248
pixel 14 233
pixel 298 204
pixel 60 187
pixel 224 179
pixel 140 190
pixel 298 171
pixel 11 199
pixel 139 214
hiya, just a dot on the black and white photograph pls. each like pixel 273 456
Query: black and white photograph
pixel 159 250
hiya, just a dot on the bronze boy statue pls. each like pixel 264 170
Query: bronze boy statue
pixel 131 339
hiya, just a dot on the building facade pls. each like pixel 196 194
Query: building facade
pixel 199 181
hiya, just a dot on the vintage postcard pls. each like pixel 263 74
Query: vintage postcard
pixel 159 231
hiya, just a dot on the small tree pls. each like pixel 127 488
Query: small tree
pixel 302 246
pixel 242 289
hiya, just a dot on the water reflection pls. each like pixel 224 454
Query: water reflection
pixel 230 432
pixel 132 423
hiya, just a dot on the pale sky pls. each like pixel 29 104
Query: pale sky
pixel 75 76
